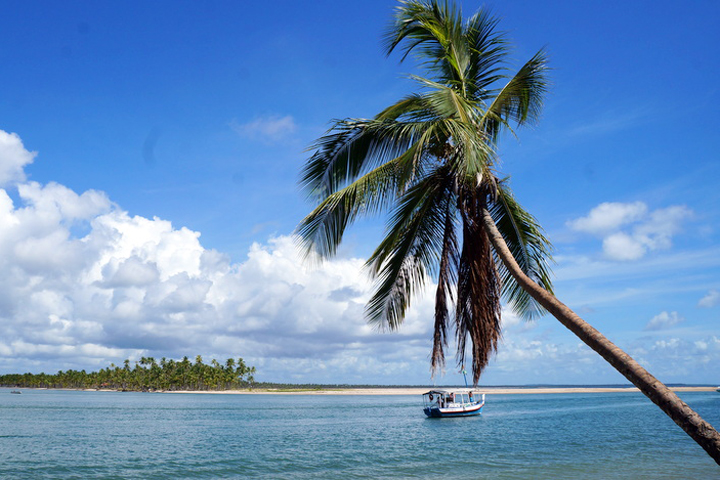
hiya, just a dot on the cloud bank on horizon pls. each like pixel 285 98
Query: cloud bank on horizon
pixel 86 284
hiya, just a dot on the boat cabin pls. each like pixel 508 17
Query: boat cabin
pixel 450 398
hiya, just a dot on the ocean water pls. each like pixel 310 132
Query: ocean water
pixel 48 434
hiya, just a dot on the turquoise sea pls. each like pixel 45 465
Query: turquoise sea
pixel 55 434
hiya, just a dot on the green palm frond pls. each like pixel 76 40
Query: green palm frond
pixel 531 249
pixel 474 155
pixel 350 148
pixel 434 32
pixel 412 106
pixel 489 49
pixel 354 146
pixel 521 99
pixel 411 249
pixel 446 101
pixel 322 230
pixel 422 27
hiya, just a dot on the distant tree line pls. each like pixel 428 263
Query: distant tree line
pixel 145 375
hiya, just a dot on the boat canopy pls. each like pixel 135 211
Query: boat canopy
pixel 447 391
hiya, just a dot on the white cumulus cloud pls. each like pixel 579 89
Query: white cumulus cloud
pixel 710 300
pixel 621 246
pixel 630 230
pixel 13 158
pixel 664 320
pixel 609 216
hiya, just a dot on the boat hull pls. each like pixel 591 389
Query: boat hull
pixel 467 411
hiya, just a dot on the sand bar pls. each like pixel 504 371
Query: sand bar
pixel 420 391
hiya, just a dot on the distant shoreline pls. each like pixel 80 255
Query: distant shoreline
pixel 397 390
pixel 420 391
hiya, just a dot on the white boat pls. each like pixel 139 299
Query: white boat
pixel 457 402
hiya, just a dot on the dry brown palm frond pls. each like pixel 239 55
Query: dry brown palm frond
pixel 478 304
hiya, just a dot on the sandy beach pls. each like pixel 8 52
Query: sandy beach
pixel 420 391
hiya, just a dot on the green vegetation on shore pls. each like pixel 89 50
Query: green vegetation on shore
pixel 146 375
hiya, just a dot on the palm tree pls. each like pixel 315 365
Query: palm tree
pixel 430 159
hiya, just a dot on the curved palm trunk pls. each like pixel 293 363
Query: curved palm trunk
pixel 700 430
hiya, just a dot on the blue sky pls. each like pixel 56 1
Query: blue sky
pixel 149 156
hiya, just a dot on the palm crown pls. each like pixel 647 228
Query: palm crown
pixel 430 160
